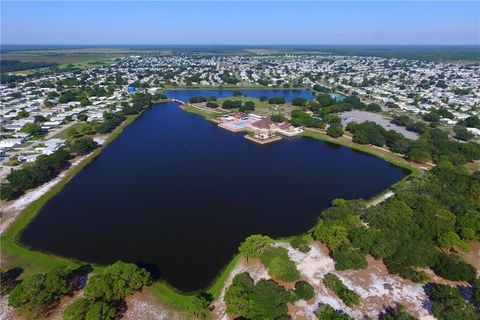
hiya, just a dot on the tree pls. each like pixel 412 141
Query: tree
pixel 254 245
pixel 326 312
pixel 39 118
pixel 299 101
pixel 278 118
pixel 334 236
pixel 335 130
pixel 35 293
pixel 303 291
pixel 198 99
pixel 347 257
pixel 82 146
pixel 238 295
pixel 395 314
pixel 32 128
pixel 22 114
pixel 110 284
pixel 276 100
pixel 82 117
pixel 462 133
pixel 374 107
pixel 84 309
pixel 448 304
pixel 454 268
pixel 197 306
pixel 450 240
pixel 349 297
pixel 84 102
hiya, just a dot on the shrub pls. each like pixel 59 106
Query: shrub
pixel 347 257
pixel 454 268
pixel 349 297
pixel 335 130
pixel 197 99
pixel 35 293
pixel 301 244
pixel 326 312
pixel 212 105
pixel 84 309
pixel 279 265
pixel 448 304
pixel 276 100
pixel 82 146
pixel 110 284
pixel 264 300
pixel 303 291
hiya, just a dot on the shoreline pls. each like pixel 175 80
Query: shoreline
pixel 17 254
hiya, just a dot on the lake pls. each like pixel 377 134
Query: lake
pixel 288 94
pixel 177 194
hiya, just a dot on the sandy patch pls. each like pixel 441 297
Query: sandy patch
pixel 142 306
pixel 377 288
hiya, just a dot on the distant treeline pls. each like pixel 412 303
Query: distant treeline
pixel 15 65
pixel 430 53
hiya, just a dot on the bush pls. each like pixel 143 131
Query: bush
pixel 45 168
pixel 349 297
pixel 335 131
pixel 454 268
pixel 212 105
pixel 301 244
pixel 197 99
pixel 82 146
pixel 278 118
pixel 84 309
pixel 347 257
pixel 303 291
pixel 35 293
pixel 299 101
pixel 110 284
pixel 276 100
pixel 448 304
pixel 326 312
pixel 279 265
pixel 264 300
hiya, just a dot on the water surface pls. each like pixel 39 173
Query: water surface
pixel 179 194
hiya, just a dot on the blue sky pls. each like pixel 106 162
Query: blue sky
pixel 258 23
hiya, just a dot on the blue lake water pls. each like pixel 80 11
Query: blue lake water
pixel 177 194
pixel 289 95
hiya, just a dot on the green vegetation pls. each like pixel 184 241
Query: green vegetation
pixel 105 289
pixel 36 293
pixel 254 246
pixel 349 297
pixel 303 291
pixel 448 304
pixel 111 284
pixel 395 314
pixel 82 146
pixel 279 265
pixel 335 130
pixel 300 243
pixel 84 309
pixel 15 65
pixel 45 168
pixel 454 268
pixel 326 312
pixel 264 300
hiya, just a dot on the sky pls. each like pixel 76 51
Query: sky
pixel 248 22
